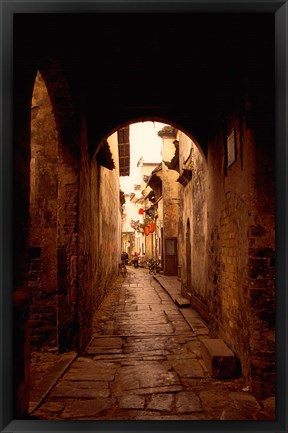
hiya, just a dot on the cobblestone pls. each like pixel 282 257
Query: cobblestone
pixel 144 362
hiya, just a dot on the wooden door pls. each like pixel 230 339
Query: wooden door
pixel 170 251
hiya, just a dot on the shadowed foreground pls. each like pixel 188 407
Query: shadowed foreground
pixel 144 362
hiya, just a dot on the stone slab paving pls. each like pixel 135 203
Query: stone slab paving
pixel 47 370
pixel 144 362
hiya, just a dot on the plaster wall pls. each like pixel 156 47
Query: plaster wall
pixel 193 211
pixel 146 170
pixel 106 222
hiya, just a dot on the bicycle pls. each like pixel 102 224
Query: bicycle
pixel 122 269
pixel 152 265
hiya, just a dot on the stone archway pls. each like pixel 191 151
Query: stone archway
pixel 43 220
pixel 68 129
pixel 176 173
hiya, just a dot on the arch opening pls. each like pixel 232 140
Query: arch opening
pixel 163 191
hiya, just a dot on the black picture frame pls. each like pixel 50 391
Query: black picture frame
pixel 8 8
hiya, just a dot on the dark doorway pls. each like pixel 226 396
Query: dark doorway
pixel 170 256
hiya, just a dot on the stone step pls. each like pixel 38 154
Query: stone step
pixel 182 302
pixel 195 322
pixel 219 359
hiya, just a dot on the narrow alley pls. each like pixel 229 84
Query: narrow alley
pixel 154 144
pixel 145 362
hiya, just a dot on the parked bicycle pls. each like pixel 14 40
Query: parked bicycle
pixel 123 269
pixel 153 266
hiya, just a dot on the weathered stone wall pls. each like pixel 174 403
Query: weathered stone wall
pixel 149 250
pixel 106 223
pixel 170 193
pixel 193 211
pixel 68 128
pixel 128 233
pixel 170 203
pixel 58 251
pixel 159 227
pixel 22 92
pixel 170 188
pixel 67 245
pixel 110 215
pixel 229 202
pixel 230 212
pixel 99 234
pixel 83 304
pixel 43 219
pixel 241 248
pixel 261 263
pixel 127 242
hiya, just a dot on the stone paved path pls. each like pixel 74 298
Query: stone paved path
pixel 144 363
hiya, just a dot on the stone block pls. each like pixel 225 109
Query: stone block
pixel 182 302
pixel 219 359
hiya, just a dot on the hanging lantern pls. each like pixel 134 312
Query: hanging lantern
pixel 152 227
pixel 141 211
pixel 146 230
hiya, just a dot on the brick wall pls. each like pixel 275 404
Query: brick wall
pixel 241 248
pixel 229 215
pixel 43 219
pixel 80 304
